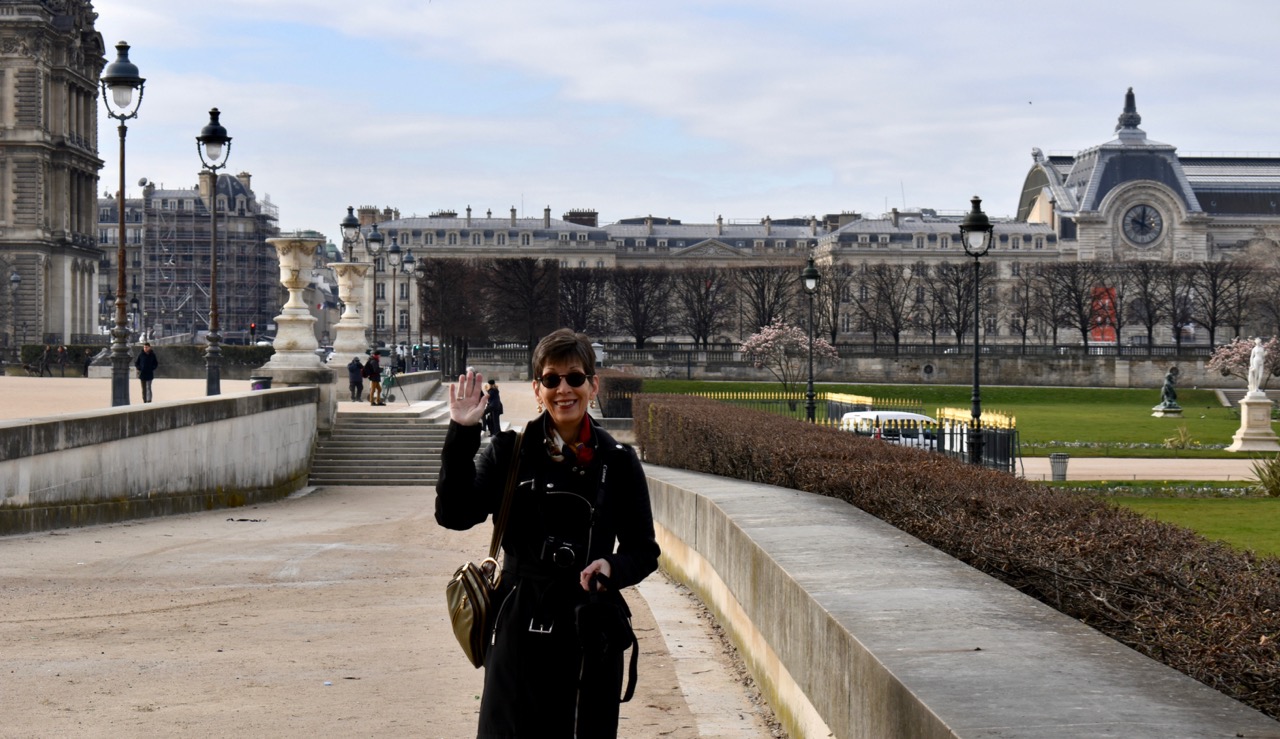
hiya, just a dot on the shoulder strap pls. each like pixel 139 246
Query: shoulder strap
pixel 500 523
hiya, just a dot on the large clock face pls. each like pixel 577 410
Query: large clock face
pixel 1143 225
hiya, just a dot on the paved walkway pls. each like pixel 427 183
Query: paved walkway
pixel 292 619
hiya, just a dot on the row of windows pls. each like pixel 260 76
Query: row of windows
pixel 944 241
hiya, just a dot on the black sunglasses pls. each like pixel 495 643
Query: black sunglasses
pixel 552 380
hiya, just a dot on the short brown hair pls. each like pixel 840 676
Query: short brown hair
pixel 564 344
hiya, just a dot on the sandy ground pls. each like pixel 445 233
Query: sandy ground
pixel 319 615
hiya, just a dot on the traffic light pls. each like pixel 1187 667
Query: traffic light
pixel 253 332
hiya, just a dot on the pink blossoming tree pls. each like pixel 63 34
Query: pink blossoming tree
pixel 1232 360
pixel 783 349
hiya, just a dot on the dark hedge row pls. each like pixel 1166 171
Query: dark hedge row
pixel 1200 607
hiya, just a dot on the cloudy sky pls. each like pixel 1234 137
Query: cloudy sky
pixel 682 108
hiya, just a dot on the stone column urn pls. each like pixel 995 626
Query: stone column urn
pixel 350 330
pixel 295 361
pixel 295 327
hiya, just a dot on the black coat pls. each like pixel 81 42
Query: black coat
pixel 146 364
pixel 355 372
pixel 535 667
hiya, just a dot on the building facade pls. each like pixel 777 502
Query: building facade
pixel 50 61
pixel 169 266
pixel 1128 200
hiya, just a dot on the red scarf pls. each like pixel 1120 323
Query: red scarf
pixel 581 449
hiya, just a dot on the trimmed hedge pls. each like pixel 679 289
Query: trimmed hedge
pixel 1199 607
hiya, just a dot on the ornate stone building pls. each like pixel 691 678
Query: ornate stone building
pixel 168 268
pixel 50 61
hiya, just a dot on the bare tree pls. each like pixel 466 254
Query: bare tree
pixel 1023 299
pixel 451 308
pixel 892 289
pixel 1213 292
pixel 523 297
pixel 584 299
pixel 1074 286
pixel 766 292
pixel 642 298
pixel 952 290
pixel 703 298
pixel 1265 302
pixel 833 292
pixel 1173 289
pixel 1144 305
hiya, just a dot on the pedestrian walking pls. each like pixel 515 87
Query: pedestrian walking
pixel 146 364
pixel 355 379
pixel 88 361
pixel 493 410
pixel 554 666
pixel 45 357
pixel 373 373
pixel 61 359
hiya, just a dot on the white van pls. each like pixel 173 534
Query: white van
pixel 897 427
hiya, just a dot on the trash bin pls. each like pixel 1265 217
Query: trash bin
pixel 1058 466
pixel 262 383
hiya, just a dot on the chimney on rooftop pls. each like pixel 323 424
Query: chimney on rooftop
pixel 719 225
pixel 468 216
pixel 546 217
pixel 513 216
pixel 768 226
pixel 893 217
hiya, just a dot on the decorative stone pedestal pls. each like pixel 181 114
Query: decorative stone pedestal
pixel 1255 434
pixel 295 361
pixel 350 339
pixel 1167 410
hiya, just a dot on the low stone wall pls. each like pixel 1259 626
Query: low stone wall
pixel 853 628
pixel 154 459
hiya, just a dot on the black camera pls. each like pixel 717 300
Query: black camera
pixel 561 553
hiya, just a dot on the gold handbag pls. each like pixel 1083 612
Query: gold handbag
pixel 469 591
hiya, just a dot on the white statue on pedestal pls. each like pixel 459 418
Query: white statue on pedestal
pixel 1257 358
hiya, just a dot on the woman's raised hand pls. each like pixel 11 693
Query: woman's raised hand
pixel 466 399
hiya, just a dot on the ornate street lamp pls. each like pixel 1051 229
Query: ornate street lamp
pixel 373 244
pixel 407 267
pixel 419 272
pixel 120 79
pixel 975 233
pixel 810 276
pixel 214 146
pixel 393 259
pixel 350 231
pixel 15 282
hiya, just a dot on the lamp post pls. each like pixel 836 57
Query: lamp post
pixel 214 146
pixel 121 79
pixel 15 282
pixel 810 277
pixel 406 268
pixel 419 271
pixel 373 244
pixel 975 232
pixel 350 231
pixel 393 259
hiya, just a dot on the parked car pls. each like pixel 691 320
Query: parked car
pixel 897 427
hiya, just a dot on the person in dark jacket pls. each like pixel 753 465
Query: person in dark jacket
pixel 146 364
pixel 548 673
pixel 493 409
pixel 46 356
pixel 355 378
pixel 373 373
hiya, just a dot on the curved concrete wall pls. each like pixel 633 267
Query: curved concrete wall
pixel 856 629
pixel 153 459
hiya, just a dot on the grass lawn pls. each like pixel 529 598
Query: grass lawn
pixel 1086 422
pixel 1245 523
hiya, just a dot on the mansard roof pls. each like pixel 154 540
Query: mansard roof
pixel 1216 185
